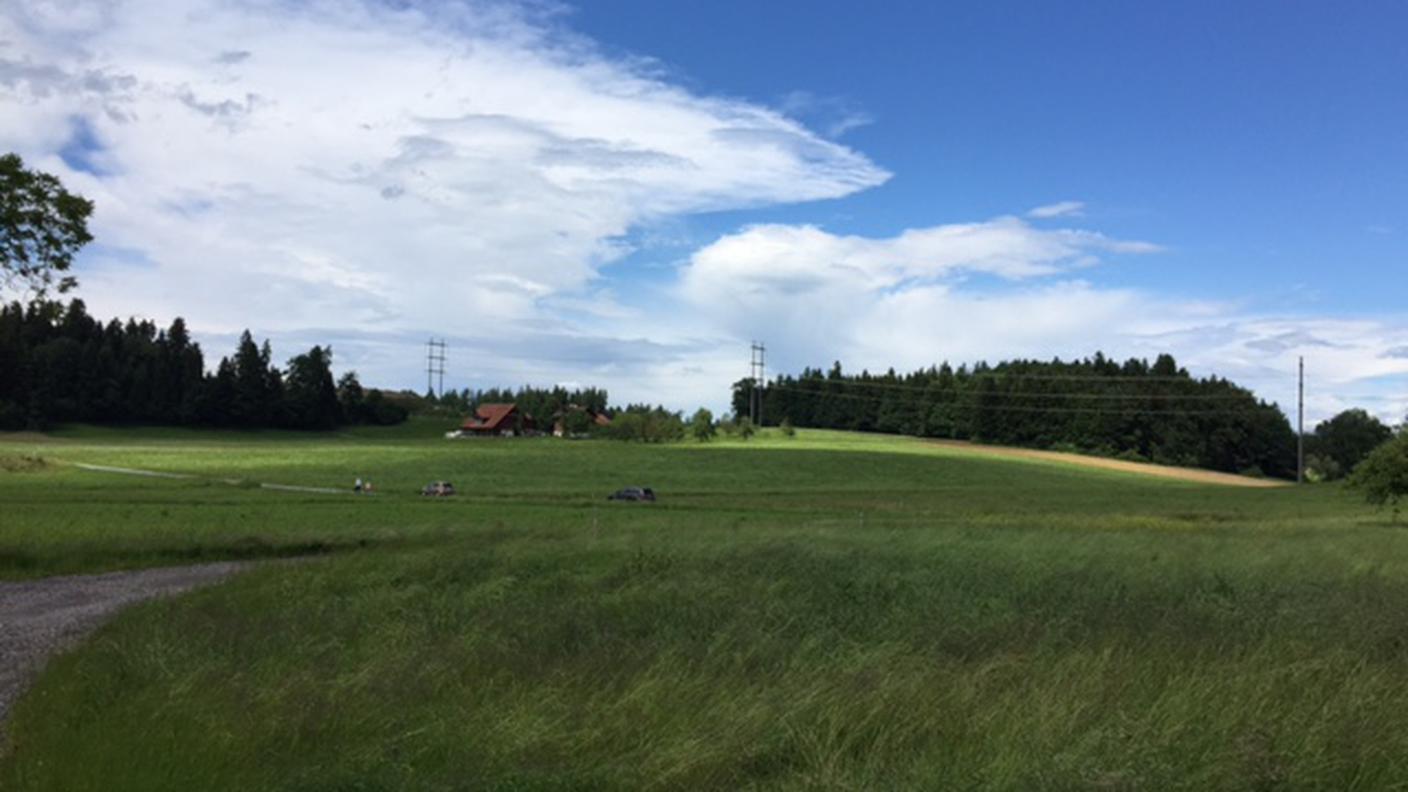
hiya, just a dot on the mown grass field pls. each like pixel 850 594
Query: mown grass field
pixel 825 612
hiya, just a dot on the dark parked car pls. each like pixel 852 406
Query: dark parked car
pixel 633 494
pixel 438 489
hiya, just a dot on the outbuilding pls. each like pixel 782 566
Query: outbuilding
pixel 496 420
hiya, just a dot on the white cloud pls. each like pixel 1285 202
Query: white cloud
pixel 350 165
pixel 349 172
pixel 766 260
pixel 1061 209
pixel 903 300
pixel 836 115
pixel 908 302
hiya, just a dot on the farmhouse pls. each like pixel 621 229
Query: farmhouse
pixel 496 419
pixel 594 418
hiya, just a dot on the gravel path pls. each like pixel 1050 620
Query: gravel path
pixel 39 618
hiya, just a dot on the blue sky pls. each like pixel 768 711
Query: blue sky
pixel 626 193
pixel 1262 143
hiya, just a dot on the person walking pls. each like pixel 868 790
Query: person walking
pixel 357 487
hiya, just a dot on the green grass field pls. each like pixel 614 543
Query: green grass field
pixel 830 611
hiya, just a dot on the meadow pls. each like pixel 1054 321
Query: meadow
pixel 830 611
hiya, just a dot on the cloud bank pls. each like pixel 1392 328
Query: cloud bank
pixel 350 163
pixel 371 173
pixel 1005 288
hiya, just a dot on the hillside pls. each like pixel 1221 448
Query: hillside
pixel 834 610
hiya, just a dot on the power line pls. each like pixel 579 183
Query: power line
pixel 971 405
pixel 1093 377
pixel 1025 394
pixel 1389 397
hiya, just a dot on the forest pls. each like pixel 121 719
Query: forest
pixel 542 404
pixel 1135 410
pixel 62 365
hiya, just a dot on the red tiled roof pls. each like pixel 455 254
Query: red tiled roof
pixel 598 418
pixel 488 417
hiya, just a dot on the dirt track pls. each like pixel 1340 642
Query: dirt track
pixel 1141 468
pixel 39 618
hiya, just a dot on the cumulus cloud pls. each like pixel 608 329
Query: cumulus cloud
pixel 367 173
pixel 1061 209
pixel 768 260
pixel 352 164
pixel 918 298
pixel 905 300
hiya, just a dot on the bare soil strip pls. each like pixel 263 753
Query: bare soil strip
pixel 232 482
pixel 131 471
pixel 40 618
pixel 1142 468
pixel 295 488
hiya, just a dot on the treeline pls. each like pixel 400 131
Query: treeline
pixel 1134 410
pixel 645 424
pixel 576 406
pixel 1339 444
pixel 59 364
pixel 541 403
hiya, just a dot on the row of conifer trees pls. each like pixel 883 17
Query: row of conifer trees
pixel 61 364
pixel 1156 412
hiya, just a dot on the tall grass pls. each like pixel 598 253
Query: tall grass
pixel 823 615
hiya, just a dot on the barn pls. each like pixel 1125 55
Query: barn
pixel 496 420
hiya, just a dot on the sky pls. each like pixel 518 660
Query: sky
pixel 626 193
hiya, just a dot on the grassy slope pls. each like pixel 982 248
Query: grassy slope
pixel 834 611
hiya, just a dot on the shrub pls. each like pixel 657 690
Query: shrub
pixel 382 411
pixel 786 428
pixel 701 426
pixel 1322 468
pixel 577 423
pixel 24 463
pixel 654 425
pixel 1346 439
pixel 1383 475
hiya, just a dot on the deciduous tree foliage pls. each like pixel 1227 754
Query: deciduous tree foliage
pixel 42 226
pixel 1341 442
pixel 646 424
pixel 701 425
pixel 577 422
pixel 1133 409
pixel 1383 475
